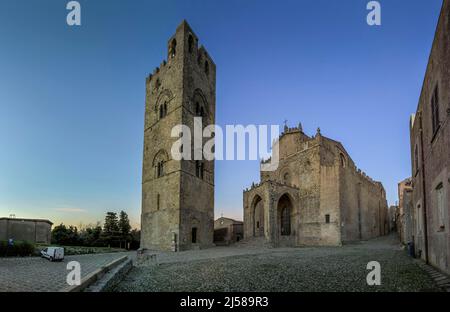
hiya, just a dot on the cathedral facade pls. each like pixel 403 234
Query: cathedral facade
pixel 317 196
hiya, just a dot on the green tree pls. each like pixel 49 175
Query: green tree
pixel 135 238
pixel 111 231
pixel 111 225
pixel 124 224
pixel 90 235
pixel 63 235
pixel 59 234
pixel 124 228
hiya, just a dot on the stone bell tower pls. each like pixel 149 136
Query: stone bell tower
pixel 178 195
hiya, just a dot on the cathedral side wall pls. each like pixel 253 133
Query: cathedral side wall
pixel 363 203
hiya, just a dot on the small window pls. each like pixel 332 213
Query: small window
pixel 416 158
pixel 199 111
pixel 199 169
pixel 157 201
pixel 440 205
pixel 257 224
pixel 157 83
pixel 327 218
pixel 190 43
pixel 160 169
pixel 163 110
pixel 173 48
pixel 435 110
pixel 342 160
pixel 286 178
pixel 206 68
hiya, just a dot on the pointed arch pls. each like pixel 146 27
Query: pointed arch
pixel 257 212
pixel 199 103
pixel 159 163
pixel 162 103
pixel 285 209
pixel 173 48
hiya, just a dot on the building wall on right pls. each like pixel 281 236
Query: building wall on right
pixel 430 153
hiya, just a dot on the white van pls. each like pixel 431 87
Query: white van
pixel 53 253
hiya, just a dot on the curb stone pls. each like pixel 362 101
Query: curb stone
pixel 440 279
pixel 94 276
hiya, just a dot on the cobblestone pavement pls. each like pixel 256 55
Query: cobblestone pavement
pixel 285 269
pixel 39 274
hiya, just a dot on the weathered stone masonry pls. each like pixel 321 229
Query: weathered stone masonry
pixel 317 196
pixel 178 196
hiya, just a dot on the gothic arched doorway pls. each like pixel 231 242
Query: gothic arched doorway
pixel 258 216
pixel 285 215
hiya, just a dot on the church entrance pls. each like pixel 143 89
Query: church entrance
pixel 258 216
pixel 284 213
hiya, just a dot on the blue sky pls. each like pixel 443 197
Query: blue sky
pixel 72 98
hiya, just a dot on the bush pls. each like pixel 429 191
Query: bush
pixel 19 249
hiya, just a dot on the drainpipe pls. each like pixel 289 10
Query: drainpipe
pixel 424 203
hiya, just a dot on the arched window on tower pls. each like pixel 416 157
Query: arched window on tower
pixel 190 43
pixel 162 110
pixel 173 48
pixel 199 169
pixel 199 111
pixel 206 68
pixel 342 158
pixel 160 169
pixel 287 178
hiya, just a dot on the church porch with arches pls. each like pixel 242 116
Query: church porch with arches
pixel 271 214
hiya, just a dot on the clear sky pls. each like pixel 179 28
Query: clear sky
pixel 72 98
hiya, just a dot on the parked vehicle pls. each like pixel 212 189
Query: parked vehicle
pixel 53 253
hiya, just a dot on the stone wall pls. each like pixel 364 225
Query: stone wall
pixel 30 230
pixel 430 152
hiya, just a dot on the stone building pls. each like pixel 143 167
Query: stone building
pixel 392 211
pixel 30 230
pixel 405 211
pixel 178 195
pixel 430 152
pixel 317 196
pixel 228 231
